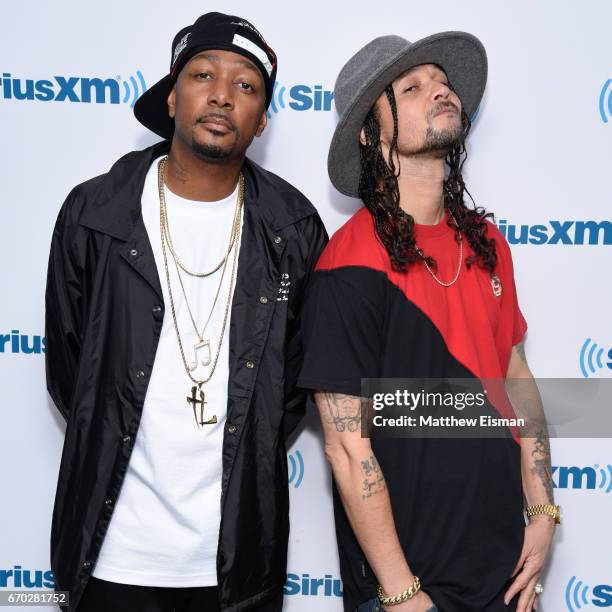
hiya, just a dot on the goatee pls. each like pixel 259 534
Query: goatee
pixel 210 153
pixel 441 140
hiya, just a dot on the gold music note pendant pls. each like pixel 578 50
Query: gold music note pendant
pixel 194 401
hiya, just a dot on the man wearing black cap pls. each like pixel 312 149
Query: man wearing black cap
pixel 173 345
pixel 418 285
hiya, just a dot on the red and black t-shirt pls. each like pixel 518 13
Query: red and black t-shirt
pixel 457 503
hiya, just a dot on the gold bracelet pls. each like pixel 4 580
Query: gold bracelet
pixel 548 509
pixel 409 593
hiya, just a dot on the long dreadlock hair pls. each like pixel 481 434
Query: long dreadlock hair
pixel 379 191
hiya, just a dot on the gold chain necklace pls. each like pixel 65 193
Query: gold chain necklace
pixel 202 343
pixel 433 274
pixel 197 395
pixel 177 258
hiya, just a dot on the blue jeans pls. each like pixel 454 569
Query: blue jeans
pixel 373 605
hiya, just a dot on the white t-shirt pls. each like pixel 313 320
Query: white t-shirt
pixel 165 525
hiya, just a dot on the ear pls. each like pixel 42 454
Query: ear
pixel 362 137
pixel 263 121
pixel 172 102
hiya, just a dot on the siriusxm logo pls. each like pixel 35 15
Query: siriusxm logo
pixel 21 343
pixel 296 468
pixel 605 101
pixel 576 477
pixel 18 578
pixel 328 586
pixel 74 89
pixel 558 232
pixel 591 358
pixel 300 98
pixel 579 595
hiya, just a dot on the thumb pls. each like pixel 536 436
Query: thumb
pixel 520 562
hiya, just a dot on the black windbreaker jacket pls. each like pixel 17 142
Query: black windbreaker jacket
pixel 104 312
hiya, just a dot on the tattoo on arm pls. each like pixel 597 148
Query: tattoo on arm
pixel 343 411
pixel 542 467
pixel 520 349
pixel 374 481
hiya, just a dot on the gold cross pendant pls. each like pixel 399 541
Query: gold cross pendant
pixel 194 401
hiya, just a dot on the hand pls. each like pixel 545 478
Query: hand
pixel 421 602
pixel 538 537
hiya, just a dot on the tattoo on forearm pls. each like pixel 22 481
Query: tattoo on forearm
pixel 542 467
pixel 374 481
pixel 343 411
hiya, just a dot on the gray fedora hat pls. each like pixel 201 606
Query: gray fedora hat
pixel 366 75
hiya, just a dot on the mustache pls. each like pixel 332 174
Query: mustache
pixel 217 118
pixel 447 106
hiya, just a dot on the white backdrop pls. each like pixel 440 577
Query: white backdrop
pixel 539 154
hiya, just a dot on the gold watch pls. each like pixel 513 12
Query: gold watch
pixel 548 509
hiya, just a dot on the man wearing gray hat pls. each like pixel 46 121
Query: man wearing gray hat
pixel 418 285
